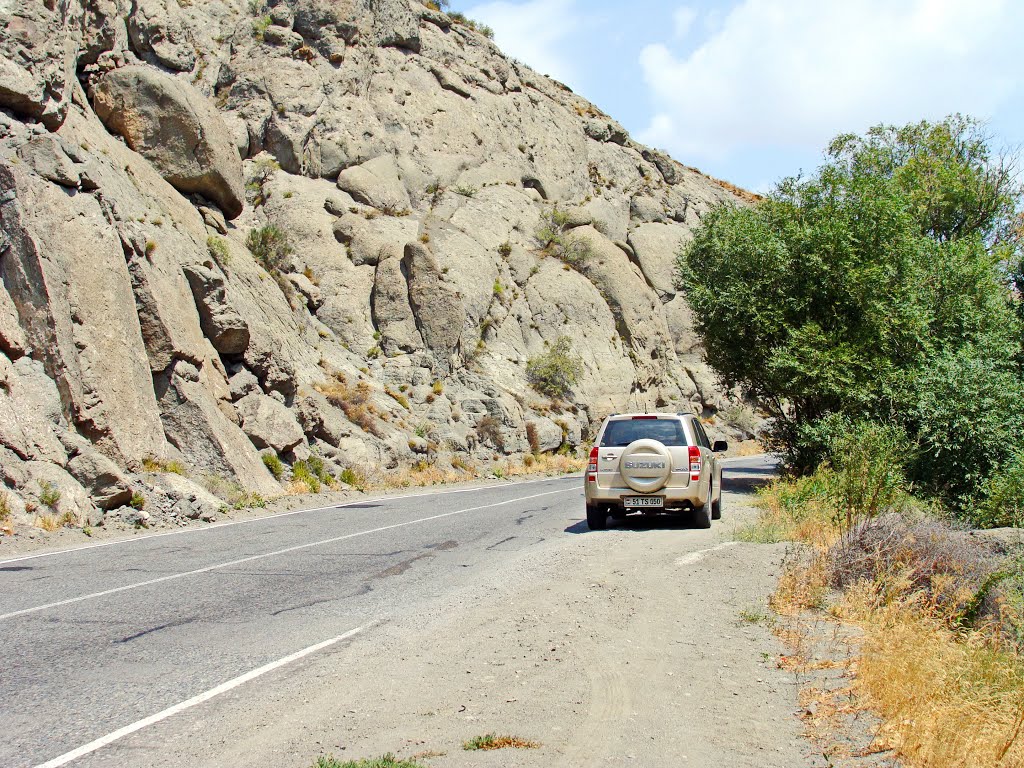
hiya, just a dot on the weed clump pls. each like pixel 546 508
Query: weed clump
pixel 274 464
pixel 491 741
pixel 271 247
pixel 49 494
pixel 554 372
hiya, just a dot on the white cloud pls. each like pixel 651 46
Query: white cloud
pixel 793 73
pixel 535 32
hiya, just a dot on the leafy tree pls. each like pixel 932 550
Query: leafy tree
pixel 875 289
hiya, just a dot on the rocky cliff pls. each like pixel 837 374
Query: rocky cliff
pixel 336 229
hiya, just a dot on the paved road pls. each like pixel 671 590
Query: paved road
pixel 97 639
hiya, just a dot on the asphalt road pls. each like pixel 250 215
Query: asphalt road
pixel 99 639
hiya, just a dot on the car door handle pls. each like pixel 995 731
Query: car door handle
pixel 611 456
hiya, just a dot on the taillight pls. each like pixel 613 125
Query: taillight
pixel 645 418
pixel 592 464
pixel 695 462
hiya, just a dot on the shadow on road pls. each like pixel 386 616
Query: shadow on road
pixel 747 480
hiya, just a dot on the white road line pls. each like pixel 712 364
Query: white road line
pixel 353 502
pixel 120 733
pixel 249 559
pixel 696 557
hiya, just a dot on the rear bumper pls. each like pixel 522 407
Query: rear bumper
pixel 675 498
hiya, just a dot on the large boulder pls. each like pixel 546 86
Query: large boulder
pixel 268 423
pixel 221 323
pixel 392 313
pixel 376 182
pixel 39 48
pixel 106 485
pixel 174 127
pixel 159 32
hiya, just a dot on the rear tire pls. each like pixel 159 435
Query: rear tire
pixel 597 517
pixel 702 515
pixel 716 508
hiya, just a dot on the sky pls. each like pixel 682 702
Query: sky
pixel 751 91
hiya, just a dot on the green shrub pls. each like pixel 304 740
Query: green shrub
pixel 553 238
pixel 260 27
pixel 317 467
pixel 138 501
pixel 465 190
pixel 271 247
pixel 350 476
pixel 1003 505
pixel 274 464
pixel 867 470
pixel 554 372
pixel 49 495
pixel 301 473
pixel 218 250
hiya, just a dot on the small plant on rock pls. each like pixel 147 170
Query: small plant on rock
pixel 465 190
pixel 138 501
pixel 49 495
pixel 274 464
pixel 271 247
pixel 218 249
pixel 303 475
pixel 554 372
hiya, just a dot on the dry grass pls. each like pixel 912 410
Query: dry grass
pixel 937 658
pixel 793 511
pixel 423 473
pixel 49 523
pixel 949 699
pixel 493 741
pixel 354 401
pixel 151 464
pixel 541 464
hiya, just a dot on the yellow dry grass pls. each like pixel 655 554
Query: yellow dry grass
pixel 949 700
pixel 49 523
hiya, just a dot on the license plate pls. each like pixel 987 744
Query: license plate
pixel 643 501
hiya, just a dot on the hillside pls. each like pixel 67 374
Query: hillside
pixel 336 230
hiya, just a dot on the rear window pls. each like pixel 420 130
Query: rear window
pixel 619 434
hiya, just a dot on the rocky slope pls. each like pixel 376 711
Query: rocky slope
pixel 330 228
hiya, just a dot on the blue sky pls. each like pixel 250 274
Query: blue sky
pixel 752 90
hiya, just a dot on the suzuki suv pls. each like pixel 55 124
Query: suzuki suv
pixel 653 462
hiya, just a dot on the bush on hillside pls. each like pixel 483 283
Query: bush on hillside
pixel 554 372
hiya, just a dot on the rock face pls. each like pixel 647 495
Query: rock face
pixel 382 283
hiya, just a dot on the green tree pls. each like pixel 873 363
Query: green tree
pixel 860 289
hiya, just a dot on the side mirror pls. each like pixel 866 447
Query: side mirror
pixel 720 446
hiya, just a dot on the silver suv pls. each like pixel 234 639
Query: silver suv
pixel 653 462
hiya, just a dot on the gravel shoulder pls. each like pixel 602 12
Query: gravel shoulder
pixel 628 646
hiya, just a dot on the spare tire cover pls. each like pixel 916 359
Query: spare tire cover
pixel 645 465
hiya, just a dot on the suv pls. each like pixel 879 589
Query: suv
pixel 653 462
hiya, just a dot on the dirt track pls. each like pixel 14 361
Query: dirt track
pixel 633 646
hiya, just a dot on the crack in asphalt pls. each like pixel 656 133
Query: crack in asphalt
pixel 158 628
